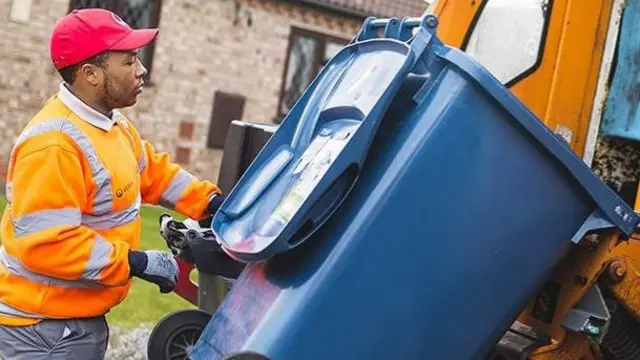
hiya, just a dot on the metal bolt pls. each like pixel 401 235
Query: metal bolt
pixel 617 270
pixel 432 21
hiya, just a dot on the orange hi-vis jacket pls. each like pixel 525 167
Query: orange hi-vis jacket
pixel 75 182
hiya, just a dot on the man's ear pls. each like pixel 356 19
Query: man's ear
pixel 91 74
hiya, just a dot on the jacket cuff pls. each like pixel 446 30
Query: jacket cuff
pixel 137 263
pixel 215 201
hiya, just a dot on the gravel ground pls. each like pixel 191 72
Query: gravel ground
pixel 128 344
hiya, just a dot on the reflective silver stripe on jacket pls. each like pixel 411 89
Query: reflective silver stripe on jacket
pixel 142 162
pixel 176 188
pixel 103 202
pixel 8 189
pixel 9 311
pixel 111 220
pixel 98 259
pixel 15 267
pixel 46 219
pixel 28 133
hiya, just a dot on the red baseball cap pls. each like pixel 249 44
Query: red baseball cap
pixel 84 33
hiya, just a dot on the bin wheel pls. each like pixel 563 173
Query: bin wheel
pixel 174 336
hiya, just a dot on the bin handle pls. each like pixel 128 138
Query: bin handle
pixel 408 22
pixel 326 204
pixel 395 28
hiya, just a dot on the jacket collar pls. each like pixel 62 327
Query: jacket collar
pixel 85 112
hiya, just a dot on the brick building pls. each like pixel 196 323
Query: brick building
pixel 214 61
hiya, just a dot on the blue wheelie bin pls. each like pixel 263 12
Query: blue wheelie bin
pixel 408 207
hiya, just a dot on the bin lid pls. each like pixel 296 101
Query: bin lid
pixel 311 162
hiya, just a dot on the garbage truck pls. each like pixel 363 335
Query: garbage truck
pixel 456 186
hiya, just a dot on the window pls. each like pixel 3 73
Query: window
pixel 307 54
pixel 137 13
pixel 226 108
pixel 507 37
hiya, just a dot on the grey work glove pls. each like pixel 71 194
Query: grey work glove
pixel 158 267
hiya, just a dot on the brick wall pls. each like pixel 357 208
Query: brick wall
pixel 235 46
pixel 26 76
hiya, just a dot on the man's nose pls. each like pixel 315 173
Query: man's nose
pixel 141 70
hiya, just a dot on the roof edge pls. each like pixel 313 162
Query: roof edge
pixel 332 8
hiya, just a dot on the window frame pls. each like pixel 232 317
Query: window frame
pixel 543 41
pixel 321 39
pixel 117 6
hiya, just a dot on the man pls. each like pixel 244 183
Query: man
pixel 76 178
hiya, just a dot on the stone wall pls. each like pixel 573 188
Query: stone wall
pixel 236 46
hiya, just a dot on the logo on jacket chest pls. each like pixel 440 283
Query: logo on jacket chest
pixel 120 192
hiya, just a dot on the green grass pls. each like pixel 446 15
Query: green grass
pixel 144 305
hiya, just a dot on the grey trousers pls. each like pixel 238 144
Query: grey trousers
pixel 84 339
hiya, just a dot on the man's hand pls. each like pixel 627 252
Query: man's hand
pixel 158 267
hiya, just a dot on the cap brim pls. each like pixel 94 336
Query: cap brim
pixel 136 39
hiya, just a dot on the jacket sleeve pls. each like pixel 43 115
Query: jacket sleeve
pixel 48 197
pixel 166 184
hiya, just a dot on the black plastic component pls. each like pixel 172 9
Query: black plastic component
pixel 210 259
pixel 518 343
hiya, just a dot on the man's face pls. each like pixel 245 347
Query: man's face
pixel 123 79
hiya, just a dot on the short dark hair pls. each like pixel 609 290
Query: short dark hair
pixel 69 73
